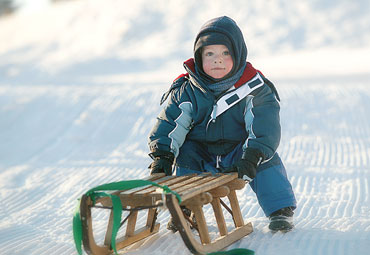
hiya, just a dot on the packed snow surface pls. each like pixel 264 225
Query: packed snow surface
pixel 80 84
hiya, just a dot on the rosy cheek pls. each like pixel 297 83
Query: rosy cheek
pixel 206 66
pixel 230 64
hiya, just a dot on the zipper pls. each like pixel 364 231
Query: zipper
pixel 218 160
pixel 214 113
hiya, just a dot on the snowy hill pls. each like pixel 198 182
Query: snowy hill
pixel 80 84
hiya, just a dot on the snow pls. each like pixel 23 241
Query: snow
pixel 80 84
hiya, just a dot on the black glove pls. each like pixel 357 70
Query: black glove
pixel 247 165
pixel 162 162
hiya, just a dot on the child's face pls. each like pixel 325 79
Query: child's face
pixel 217 61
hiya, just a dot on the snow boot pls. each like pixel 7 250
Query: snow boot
pixel 188 215
pixel 281 220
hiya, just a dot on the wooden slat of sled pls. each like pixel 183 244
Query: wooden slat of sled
pixel 197 182
pixel 169 183
pixel 186 194
pixel 156 180
pixel 179 186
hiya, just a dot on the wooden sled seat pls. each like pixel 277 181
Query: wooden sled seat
pixel 195 192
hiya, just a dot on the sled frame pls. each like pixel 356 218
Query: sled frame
pixel 195 192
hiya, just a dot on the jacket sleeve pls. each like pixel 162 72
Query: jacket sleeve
pixel 262 121
pixel 173 123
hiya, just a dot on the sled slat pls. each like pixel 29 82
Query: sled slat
pixel 207 186
pixel 181 185
pixel 158 181
pixel 168 183
pixel 201 182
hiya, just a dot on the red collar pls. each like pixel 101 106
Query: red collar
pixel 249 73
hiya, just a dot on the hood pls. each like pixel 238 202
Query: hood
pixel 224 27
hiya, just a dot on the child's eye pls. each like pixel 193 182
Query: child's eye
pixel 208 54
pixel 226 53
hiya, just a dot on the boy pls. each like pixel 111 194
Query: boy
pixel 223 116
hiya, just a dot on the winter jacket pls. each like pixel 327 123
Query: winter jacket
pixel 248 112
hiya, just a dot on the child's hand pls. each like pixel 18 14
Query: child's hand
pixel 246 170
pixel 162 162
pixel 246 167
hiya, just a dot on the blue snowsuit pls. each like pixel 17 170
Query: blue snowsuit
pixel 208 133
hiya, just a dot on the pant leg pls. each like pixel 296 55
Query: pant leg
pixel 272 186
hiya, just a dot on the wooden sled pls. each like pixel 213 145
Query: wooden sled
pixel 195 192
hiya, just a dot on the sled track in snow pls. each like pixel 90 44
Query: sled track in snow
pixel 326 150
pixel 60 141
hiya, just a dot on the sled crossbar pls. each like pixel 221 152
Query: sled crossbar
pixel 195 192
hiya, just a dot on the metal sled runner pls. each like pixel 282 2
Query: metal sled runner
pixel 193 192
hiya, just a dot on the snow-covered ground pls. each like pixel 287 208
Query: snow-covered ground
pixel 80 84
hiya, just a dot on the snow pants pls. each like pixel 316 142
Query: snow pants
pixel 271 185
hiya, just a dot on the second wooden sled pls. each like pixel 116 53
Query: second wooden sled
pixel 195 192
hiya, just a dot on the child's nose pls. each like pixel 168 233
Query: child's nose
pixel 218 59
